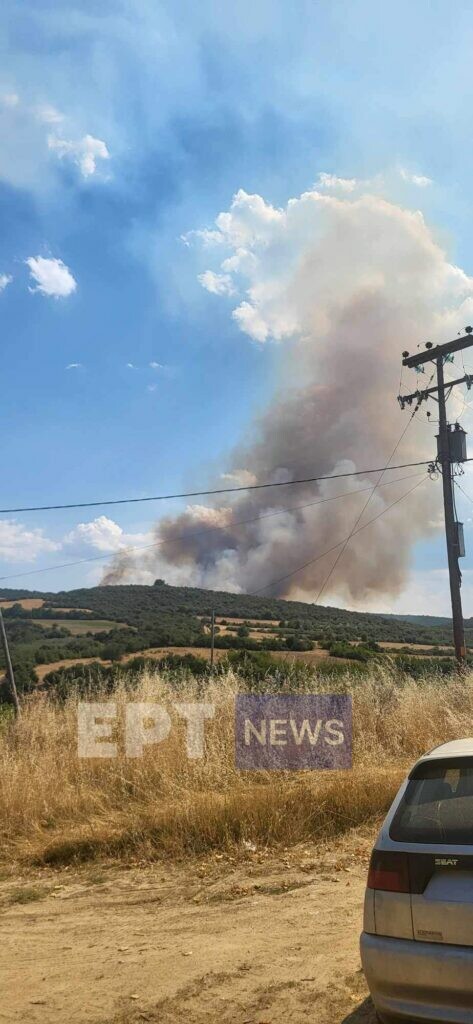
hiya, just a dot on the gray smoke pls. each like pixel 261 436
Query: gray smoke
pixel 345 285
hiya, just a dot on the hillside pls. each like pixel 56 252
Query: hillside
pixel 50 633
pixel 146 605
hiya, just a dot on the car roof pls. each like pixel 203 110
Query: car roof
pixel 456 748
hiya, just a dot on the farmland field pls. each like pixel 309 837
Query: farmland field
pixel 313 657
pixel 53 666
pixel 79 627
pixel 158 653
pixel 28 603
pixel 115 624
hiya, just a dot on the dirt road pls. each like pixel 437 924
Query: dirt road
pixel 262 939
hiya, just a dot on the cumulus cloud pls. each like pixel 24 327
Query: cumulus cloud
pixel 330 181
pixel 18 544
pixel 415 179
pixel 344 283
pixel 217 284
pixel 83 152
pixel 5 280
pixel 74 366
pixel 204 236
pixel 51 276
pixel 37 136
pixel 104 534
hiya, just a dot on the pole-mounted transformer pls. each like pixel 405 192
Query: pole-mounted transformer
pixel 457 453
pixel 456 443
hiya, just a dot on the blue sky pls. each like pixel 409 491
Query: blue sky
pixel 125 127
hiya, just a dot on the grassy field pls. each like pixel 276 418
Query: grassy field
pixel 79 627
pixel 55 807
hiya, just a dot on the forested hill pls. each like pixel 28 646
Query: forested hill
pixel 148 606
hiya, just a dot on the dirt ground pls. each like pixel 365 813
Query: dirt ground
pixel 257 939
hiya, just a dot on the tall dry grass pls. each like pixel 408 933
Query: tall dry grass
pixel 56 807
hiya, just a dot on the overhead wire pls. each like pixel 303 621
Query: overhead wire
pixel 211 493
pixel 460 488
pixel 187 535
pixel 365 506
pixel 317 558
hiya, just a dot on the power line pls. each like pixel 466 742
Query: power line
pixel 365 506
pixel 335 546
pixel 196 533
pixel 456 397
pixel 219 490
pixel 460 488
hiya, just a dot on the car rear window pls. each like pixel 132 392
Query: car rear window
pixel 437 806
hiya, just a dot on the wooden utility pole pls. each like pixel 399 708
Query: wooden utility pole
pixel 451 528
pixel 9 666
pixel 212 641
pixel 451 450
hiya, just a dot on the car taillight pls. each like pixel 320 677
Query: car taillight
pixel 389 871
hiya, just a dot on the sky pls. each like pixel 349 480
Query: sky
pixel 127 129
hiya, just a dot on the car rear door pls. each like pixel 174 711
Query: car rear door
pixel 437 812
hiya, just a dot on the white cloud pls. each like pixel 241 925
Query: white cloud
pixel 250 218
pixel 205 236
pixel 5 280
pixel 156 366
pixel 104 534
pixel 217 284
pixel 47 114
pixel 330 181
pixel 10 100
pixel 131 366
pixel 52 277
pixel 73 366
pixel 17 544
pixel 36 134
pixel 84 152
pixel 251 322
pixel 276 258
pixel 415 179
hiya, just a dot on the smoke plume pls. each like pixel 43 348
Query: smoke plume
pixel 343 283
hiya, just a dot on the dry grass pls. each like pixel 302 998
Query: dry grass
pixel 26 602
pixel 56 807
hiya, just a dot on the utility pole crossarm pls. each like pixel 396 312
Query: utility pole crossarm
pixel 422 393
pixel 439 350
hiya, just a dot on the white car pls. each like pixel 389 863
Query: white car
pixel 417 941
